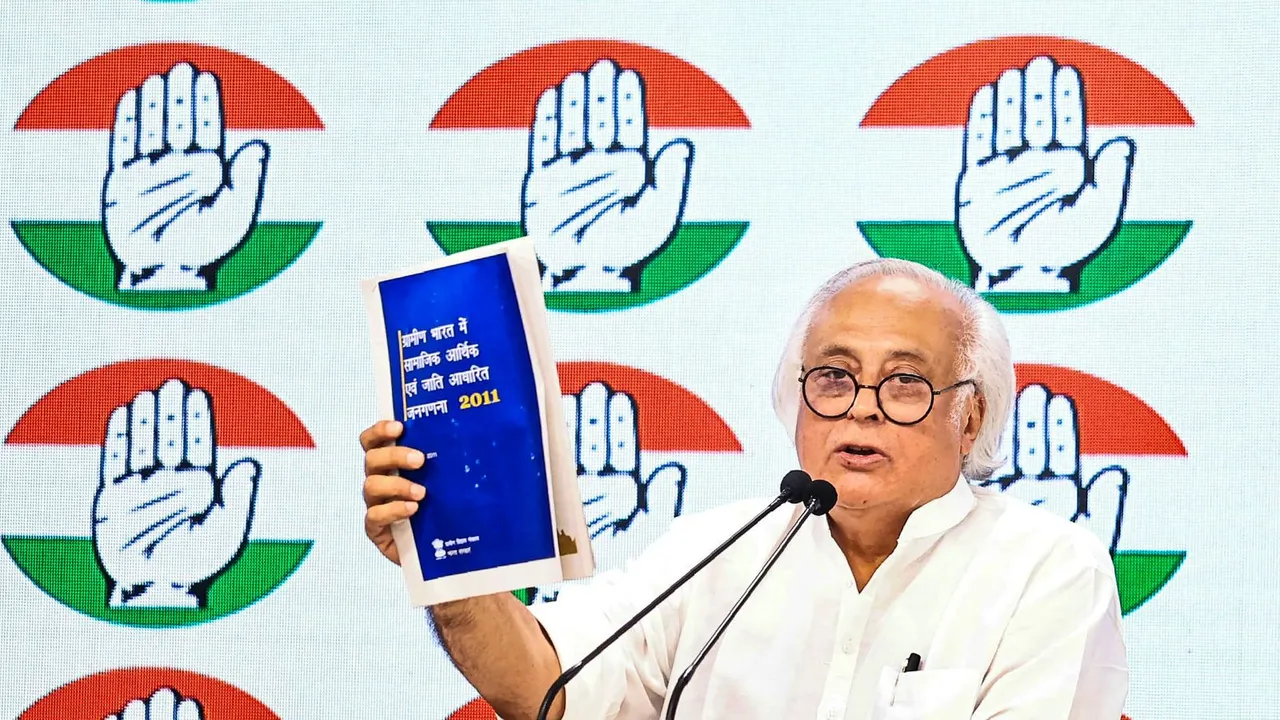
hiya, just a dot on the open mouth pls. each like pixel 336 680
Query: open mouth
pixel 862 450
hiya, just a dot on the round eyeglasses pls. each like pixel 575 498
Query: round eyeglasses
pixel 904 398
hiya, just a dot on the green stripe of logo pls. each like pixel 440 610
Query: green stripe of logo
pixel 67 569
pixel 76 253
pixel 1137 249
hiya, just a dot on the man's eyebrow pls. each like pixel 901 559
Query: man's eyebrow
pixel 908 355
pixel 837 349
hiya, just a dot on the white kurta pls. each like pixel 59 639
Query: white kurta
pixel 1013 610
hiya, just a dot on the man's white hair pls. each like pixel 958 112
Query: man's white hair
pixel 983 355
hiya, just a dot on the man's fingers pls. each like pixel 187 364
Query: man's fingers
pixel 380 434
pixel 179 114
pixel 378 517
pixel 151 116
pixel 124 133
pixel 170 423
pixel 1032 440
pixel 1068 107
pixel 545 131
pixel 573 114
pixel 630 113
pixel 601 121
pixel 569 405
pixel 208 112
pixel 1038 103
pixel 115 446
pixel 142 431
pixel 624 438
pixel 199 430
pixel 979 133
pixel 1062 436
pixel 379 489
pixel 593 443
pixel 1009 110
pixel 384 460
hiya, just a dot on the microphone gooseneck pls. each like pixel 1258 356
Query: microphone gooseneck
pixel 822 497
pixel 795 488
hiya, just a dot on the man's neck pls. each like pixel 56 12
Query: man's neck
pixel 866 538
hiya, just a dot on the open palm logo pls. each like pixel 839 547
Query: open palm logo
pixel 1043 189
pixel 611 130
pixel 166 465
pixel 596 204
pixel 182 181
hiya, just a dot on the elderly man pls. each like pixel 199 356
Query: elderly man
pixel 897 383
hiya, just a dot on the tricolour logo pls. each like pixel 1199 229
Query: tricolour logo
pixel 602 196
pixel 178 178
pixel 1043 177
pixel 151 511
pixel 1080 447
pixel 148 693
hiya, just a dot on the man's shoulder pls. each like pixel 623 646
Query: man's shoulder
pixel 1039 531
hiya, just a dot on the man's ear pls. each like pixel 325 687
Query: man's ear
pixel 973 421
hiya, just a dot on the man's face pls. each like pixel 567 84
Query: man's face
pixel 874 328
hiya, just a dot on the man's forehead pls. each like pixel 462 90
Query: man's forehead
pixel 893 317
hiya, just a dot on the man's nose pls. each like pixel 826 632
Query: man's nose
pixel 865 406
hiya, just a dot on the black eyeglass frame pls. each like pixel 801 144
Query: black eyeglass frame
pixel 858 387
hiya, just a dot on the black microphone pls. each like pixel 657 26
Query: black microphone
pixel 822 497
pixel 795 488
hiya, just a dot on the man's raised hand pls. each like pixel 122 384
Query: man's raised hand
pixel 388 498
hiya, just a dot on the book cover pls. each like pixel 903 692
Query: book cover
pixel 462 358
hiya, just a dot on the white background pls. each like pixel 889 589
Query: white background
pixel 1196 340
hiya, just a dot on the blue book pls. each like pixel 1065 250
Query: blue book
pixel 462 358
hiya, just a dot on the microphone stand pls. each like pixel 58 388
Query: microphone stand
pixel 823 499
pixel 790 493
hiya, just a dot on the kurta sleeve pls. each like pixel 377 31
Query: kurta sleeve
pixel 628 681
pixel 1062 656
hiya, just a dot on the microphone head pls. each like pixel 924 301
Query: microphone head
pixel 795 486
pixel 822 497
